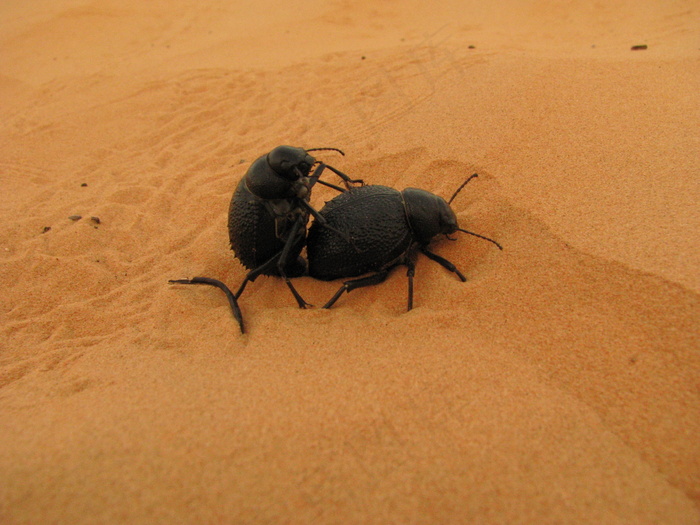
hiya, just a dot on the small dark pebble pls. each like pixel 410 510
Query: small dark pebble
pixel 472 47
pixel 75 217
pixel 363 57
pixel 46 228
pixel 96 220
pixel 639 48
pixel 83 185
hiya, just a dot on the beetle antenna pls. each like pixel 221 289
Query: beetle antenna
pixel 480 236
pixel 460 188
pixel 327 149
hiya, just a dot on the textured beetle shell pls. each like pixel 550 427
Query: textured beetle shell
pixel 375 218
pixel 252 231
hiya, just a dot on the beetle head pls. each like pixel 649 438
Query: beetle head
pixel 289 162
pixel 428 214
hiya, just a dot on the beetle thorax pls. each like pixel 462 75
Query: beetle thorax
pixel 428 214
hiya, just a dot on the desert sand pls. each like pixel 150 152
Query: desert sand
pixel 559 384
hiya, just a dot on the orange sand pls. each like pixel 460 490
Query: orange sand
pixel 559 384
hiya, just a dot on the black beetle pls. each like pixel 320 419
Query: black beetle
pixel 268 215
pixel 387 227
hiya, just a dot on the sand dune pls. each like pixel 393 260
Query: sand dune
pixel 558 384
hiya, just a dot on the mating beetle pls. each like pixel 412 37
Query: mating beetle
pixel 268 215
pixel 386 227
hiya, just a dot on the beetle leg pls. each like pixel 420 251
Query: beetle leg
pixel 410 273
pixel 269 264
pixel 348 181
pixel 337 188
pixel 256 272
pixel 278 259
pixel 214 282
pixel 349 286
pixel 323 222
pixel 319 170
pixel 444 263
pixel 284 255
pixel 313 179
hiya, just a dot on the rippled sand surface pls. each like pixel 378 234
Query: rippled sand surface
pixel 560 383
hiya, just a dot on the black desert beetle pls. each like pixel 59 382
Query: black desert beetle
pixel 387 227
pixel 268 215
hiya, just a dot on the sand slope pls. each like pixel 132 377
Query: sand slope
pixel 559 384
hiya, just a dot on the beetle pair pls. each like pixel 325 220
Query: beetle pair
pixel 367 229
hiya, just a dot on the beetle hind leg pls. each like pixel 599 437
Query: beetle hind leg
pixel 410 273
pixel 283 261
pixel 279 264
pixel 221 286
pixel 349 286
pixel 264 269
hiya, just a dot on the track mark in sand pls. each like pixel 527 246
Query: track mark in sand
pixel 23 170
pixel 209 111
pixel 74 385
pixel 60 361
pixel 395 84
pixel 131 196
pixel 10 374
pixel 18 178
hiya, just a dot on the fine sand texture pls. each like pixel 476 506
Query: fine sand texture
pixel 559 384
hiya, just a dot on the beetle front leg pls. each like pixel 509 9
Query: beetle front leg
pixel 347 180
pixel 444 263
pixel 316 178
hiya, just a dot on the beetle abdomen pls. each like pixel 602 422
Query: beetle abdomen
pixel 374 218
pixel 253 232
